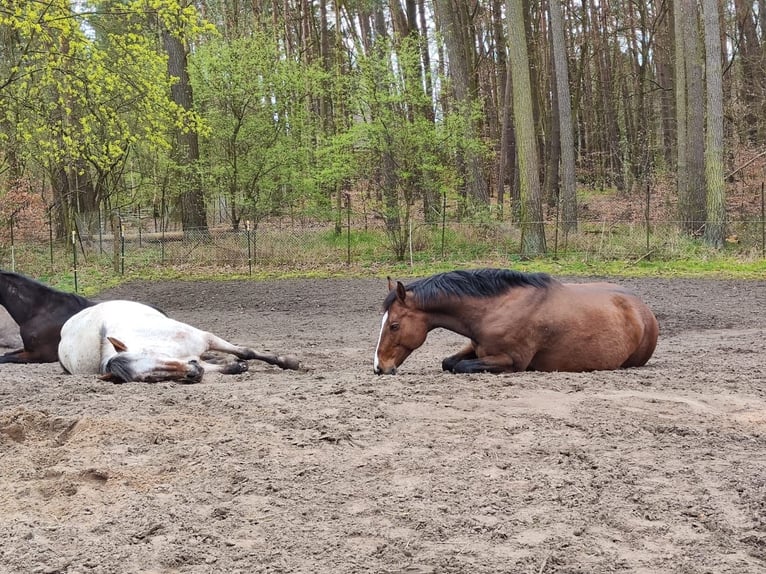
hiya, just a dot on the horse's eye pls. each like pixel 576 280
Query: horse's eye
pixel 394 326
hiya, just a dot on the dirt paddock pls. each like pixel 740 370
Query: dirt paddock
pixel 334 470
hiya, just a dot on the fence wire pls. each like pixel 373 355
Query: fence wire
pixel 33 249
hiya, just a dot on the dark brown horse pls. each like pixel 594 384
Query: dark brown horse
pixel 517 322
pixel 40 311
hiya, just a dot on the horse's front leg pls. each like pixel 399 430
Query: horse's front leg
pixel 216 343
pixel 488 364
pixel 13 357
pixel 466 353
pixel 23 356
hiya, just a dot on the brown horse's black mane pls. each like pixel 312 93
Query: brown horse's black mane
pixel 473 283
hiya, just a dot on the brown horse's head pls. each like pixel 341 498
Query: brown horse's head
pixel 404 329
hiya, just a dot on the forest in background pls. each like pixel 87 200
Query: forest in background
pixel 494 110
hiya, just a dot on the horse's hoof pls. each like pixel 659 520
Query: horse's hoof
pixel 289 362
pixel 235 368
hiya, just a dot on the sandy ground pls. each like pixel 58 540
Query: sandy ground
pixel 335 470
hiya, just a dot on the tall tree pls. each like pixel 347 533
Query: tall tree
pixel 532 226
pixel 750 55
pixel 506 150
pixel 715 226
pixel 691 199
pixel 682 132
pixel 186 152
pixel 567 195
pixel 454 20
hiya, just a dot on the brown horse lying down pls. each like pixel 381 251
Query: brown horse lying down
pixel 517 322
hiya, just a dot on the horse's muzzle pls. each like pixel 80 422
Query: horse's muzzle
pixel 389 371
pixel 195 372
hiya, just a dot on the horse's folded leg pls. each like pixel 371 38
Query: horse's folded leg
pixel 481 366
pixel 23 356
pixel 448 364
pixel 466 353
pixel 12 357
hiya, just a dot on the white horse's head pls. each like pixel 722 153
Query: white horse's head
pixel 119 365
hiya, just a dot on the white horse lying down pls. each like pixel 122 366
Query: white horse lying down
pixel 127 341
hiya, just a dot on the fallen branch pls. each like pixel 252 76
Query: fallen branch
pixel 744 165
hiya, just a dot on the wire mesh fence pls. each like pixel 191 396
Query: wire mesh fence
pixel 140 246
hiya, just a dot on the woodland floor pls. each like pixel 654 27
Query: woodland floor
pixel 334 470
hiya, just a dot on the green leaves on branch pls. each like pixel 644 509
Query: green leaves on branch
pixel 88 82
pixel 260 148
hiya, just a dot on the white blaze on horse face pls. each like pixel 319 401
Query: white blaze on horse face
pixel 376 361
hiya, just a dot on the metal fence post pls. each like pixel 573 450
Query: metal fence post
pixel 50 234
pixel 647 215
pixel 74 258
pixel 122 247
pixel 444 221
pixel 13 247
pixel 348 228
pixel 763 225
pixel 100 232
pixel 249 251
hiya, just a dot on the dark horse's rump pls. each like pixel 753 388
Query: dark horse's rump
pixel 40 311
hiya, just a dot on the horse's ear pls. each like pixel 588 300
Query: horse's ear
pixel 118 345
pixel 401 292
pixel 109 377
pixel 391 285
